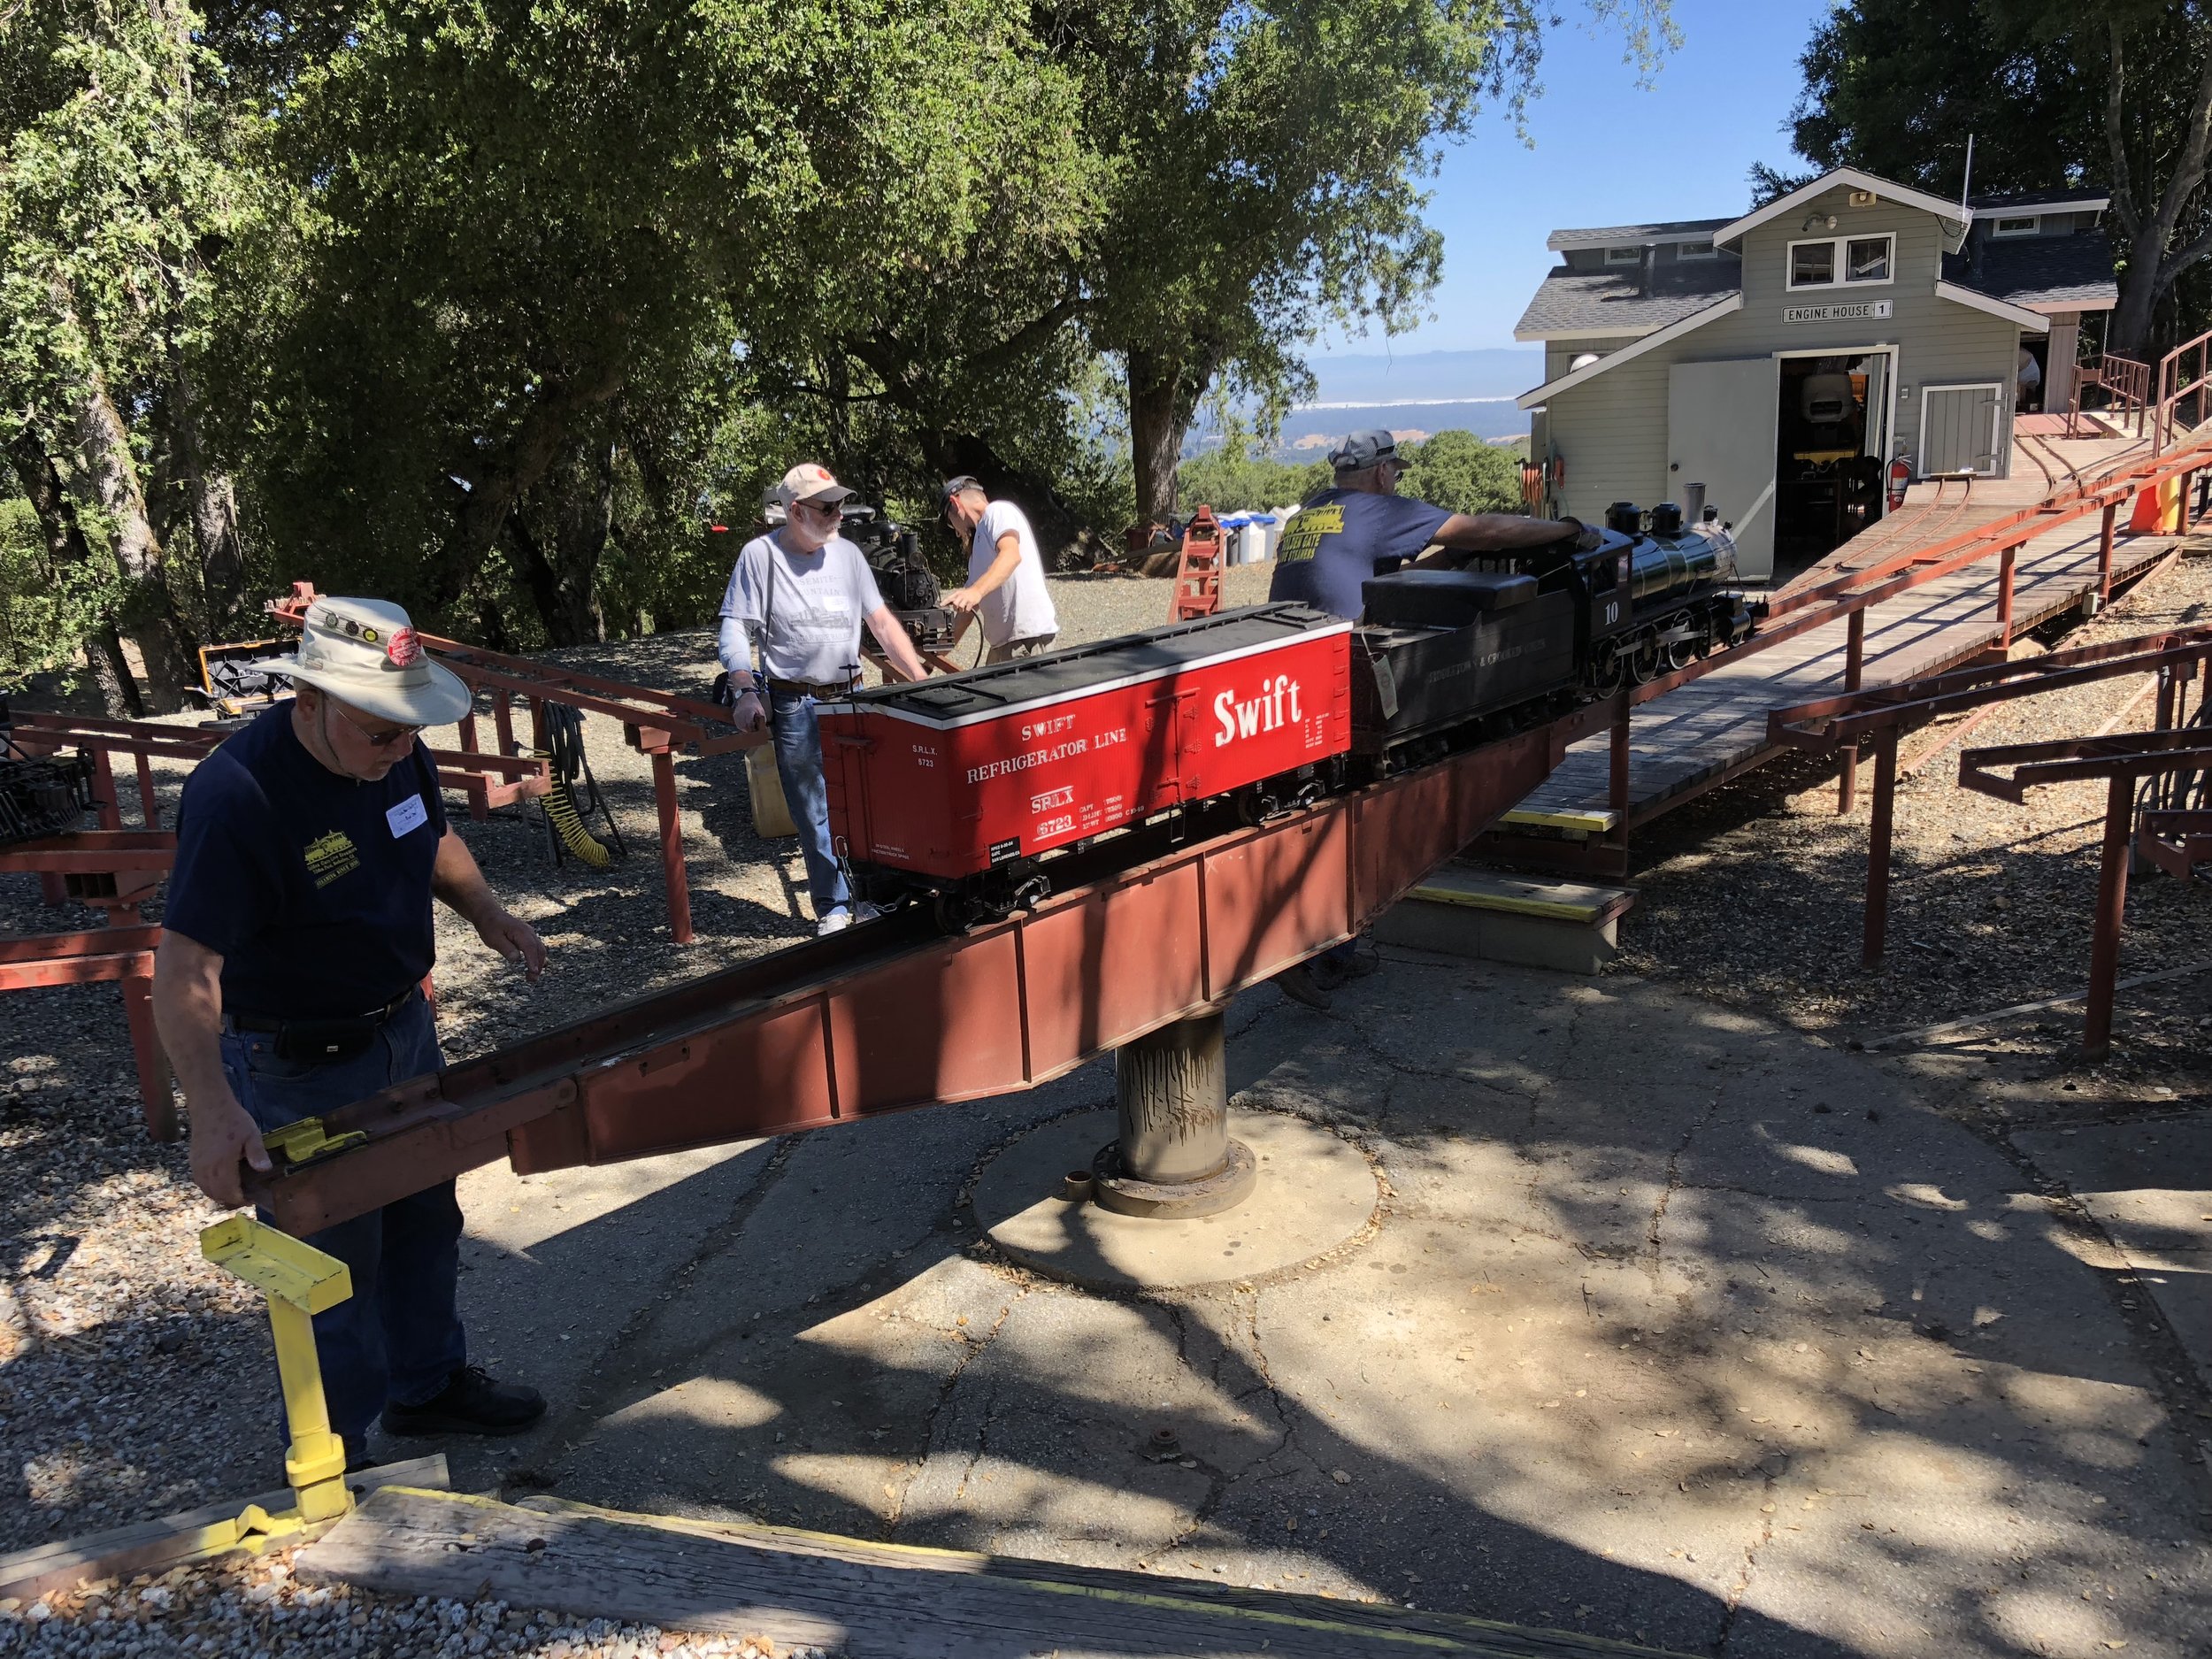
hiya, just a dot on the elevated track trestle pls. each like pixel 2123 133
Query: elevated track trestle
pixel 1150 927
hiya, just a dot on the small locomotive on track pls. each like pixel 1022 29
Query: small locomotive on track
pixel 964 790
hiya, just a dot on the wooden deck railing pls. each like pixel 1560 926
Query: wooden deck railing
pixel 2126 385
pixel 2174 392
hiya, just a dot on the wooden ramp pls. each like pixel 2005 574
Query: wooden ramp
pixel 1716 726
pixel 863 1600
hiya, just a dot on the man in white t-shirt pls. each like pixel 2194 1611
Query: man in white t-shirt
pixel 802 594
pixel 1006 590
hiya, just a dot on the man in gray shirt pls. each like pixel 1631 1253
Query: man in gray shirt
pixel 800 594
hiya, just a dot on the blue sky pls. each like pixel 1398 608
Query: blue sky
pixel 1606 154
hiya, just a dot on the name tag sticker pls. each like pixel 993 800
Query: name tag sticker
pixel 410 814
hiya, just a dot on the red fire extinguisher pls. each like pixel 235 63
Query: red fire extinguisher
pixel 1899 475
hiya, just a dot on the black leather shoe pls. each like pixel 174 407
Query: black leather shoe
pixel 356 1452
pixel 1302 984
pixel 470 1403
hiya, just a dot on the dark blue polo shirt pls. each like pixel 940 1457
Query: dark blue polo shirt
pixel 1342 537
pixel 314 888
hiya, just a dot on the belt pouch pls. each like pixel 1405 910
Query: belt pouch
pixel 325 1042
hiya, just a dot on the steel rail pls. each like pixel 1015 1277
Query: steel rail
pixel 893 1015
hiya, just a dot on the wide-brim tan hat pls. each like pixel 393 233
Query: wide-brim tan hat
pixel 364 653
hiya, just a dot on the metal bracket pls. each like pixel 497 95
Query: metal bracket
pixel 305 1142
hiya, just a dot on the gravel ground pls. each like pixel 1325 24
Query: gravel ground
pixel 105 1305
pixel 135 1380
pixel 1753 895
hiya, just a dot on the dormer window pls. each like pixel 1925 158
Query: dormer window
pixel 1833 261
pixel 1631 255
pixel 1812 264
pixel 1694 250
pixel 2017 225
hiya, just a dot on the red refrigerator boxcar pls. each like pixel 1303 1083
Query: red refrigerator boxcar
pixel 950 777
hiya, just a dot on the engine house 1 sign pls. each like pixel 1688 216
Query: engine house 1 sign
pixel 1857 311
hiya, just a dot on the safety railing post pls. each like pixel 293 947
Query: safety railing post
pixel 504 719
pixel 103 789
pixel 2104 555
pixel 671 846
pixel 2005 561
pixel 1853 668
pixel 2112 897
pixel 1617 771
pixel 478 789
pixel 1878 840
pixel 149 809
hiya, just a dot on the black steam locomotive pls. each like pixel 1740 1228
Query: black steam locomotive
pixel 1441 651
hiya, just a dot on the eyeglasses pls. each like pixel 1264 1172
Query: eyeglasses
pixel 831 510
pixel 375 740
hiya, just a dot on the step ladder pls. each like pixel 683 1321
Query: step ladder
pixel 1198 575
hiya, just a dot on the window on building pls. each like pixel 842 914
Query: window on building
pixel 1694 250
pixel 1631 255
pixel 1866 259
pixel 2019 224
pixel 1812 264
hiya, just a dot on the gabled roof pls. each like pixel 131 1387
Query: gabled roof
pixel 1617 235
pixel 1845 177
pixel 1732 302
pixel 2041 273
pixel 1570 302
pixel 2021 201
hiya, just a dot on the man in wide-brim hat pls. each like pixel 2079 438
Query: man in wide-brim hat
pixel 289 982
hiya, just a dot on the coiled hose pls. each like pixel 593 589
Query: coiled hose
pixel 564 816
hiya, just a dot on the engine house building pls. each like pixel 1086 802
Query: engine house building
pixel 1784 359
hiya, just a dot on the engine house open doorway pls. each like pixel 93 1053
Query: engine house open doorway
pixel 1832 435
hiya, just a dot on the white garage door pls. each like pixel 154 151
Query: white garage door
pixel 1720 433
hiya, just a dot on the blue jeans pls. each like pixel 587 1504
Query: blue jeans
pixel 398 1337
pixel 799 764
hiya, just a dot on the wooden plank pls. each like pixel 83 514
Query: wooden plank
pixel 156 1546
pixel 867 1601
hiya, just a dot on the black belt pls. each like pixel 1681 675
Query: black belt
pixel 807 688
pixel 321 1042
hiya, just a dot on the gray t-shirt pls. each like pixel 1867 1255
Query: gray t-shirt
pixel 804 611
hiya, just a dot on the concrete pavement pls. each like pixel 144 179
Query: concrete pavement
pixel 1676 1327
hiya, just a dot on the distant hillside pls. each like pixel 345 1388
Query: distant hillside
pixel 1428 377
pixel 1414 395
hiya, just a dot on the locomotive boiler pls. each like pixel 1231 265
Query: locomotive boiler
pixel 965 790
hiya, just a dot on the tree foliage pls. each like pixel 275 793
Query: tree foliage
pixel 2112 93
pixel 492 306
pixel 1459 471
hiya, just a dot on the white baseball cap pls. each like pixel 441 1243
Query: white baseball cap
pixel 811 480
pixel 364 652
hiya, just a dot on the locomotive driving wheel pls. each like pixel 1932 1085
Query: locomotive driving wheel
pixel 1643 666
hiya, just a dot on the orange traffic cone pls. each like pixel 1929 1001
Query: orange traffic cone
pixel 2157 510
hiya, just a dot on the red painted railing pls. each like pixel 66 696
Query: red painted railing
pixel 2173 391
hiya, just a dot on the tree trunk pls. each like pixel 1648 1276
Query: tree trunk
pixel 493 491
pixel 540 580
pixel 148 613
pixel 213 506
pixel 66 547
pixel 1156 425
pixel 583 513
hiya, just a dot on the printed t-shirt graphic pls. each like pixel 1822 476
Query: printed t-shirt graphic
pixel 1352 534
pixel 313 888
